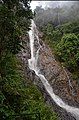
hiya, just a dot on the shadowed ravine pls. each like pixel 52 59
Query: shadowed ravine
pixel 33 65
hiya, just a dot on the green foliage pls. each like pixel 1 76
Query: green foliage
pixel 14 22
pixel 57 15
pixel 20 99
pixel 48 30
pixel 64 41
pixel 78 36
pixel 68 50
pixel 56 35
pixel 70 27
pixel 51 35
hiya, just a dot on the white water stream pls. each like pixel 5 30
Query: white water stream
pixel 33 66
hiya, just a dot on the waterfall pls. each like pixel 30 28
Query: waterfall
pixel 34 66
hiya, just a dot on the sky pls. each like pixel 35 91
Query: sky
pixel 37 3
pixel 46 3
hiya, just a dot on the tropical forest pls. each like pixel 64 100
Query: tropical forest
pixel 39 60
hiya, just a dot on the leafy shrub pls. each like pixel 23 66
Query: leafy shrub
pixel 20 99
pixel 56 35
pixel 70 27
pixel 68 50
pixel 78 36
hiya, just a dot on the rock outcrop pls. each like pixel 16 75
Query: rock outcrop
pixel 59 78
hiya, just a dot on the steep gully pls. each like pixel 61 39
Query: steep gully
pixel 33 65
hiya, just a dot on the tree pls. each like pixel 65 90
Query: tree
pixel 58 11
pixel 68 50
pixel 15 18
pixel 19 98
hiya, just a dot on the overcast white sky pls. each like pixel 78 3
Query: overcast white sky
pixel 37 3
pixel 45 3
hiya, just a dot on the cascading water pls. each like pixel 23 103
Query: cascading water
pixel 33 66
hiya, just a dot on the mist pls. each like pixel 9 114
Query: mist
pixel 51 4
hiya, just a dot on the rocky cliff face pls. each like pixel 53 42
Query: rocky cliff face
pixel 59 78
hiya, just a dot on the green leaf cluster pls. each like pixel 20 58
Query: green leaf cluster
pixel 64 41
pixel 15 21
pixel 19 98
pixel 68 50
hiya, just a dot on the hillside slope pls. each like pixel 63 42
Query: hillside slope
pixel 59 78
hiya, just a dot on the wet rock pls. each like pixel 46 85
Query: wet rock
pixel 55 75
pixel 58 77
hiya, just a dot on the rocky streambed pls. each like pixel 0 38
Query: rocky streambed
pixel 59 78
